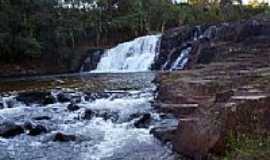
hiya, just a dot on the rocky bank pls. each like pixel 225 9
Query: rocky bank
pixel 223 93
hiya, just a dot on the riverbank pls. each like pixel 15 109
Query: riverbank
pixel 223 105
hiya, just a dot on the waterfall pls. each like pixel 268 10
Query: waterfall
pixel 133 56
pixel 182 60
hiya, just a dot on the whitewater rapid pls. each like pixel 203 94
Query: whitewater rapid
pixel 133 56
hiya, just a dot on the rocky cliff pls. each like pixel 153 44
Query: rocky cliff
pixel 223 93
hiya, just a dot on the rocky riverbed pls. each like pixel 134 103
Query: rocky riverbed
pixel 70 118
pixel 223 96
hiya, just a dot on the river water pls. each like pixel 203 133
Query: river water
pixel 119 101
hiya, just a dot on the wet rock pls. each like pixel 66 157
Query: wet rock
pixel 144 121
pixel 91 96
pixel 88 114
pixel 164 134
pixel 37 130
pixel 61 137
pixel 28 125
pixel 76 99
pixel 108 115
pixel 63 97
pixel 90 62
pixel 40 118
pixel 9 129
pixel 10 103
pixel 36 97
pixel 2 105
pixel 73 107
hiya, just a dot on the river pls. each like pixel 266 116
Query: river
pixel 117 129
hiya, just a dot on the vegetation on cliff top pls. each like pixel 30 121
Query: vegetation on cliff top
pixel 43 29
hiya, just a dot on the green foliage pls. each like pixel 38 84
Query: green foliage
pixel 248 147
pixel 44 28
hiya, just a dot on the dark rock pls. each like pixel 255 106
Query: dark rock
pixel 37 130
pixel 88 114
pixel 2 105
pixel 42 118
pixel 224 96
pixel 37 97
pixel 9 129
pixel 164 134
pixel 63 97
pixel 90 62
pixel 73 107
pixel 28 125
pixel 61 137
pixel 10 103
pixel 144 121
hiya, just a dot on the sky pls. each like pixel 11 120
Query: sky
pixel 244 1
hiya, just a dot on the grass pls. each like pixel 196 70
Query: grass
pixel 248 148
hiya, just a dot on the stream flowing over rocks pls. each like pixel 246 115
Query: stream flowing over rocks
pixel 83 124
pixel 118 109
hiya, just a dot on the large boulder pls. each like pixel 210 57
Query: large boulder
pixel 36 97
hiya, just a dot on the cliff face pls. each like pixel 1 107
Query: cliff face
pixel 208 40
pixel 224 92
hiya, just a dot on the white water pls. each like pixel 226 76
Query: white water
pixel 134 56
pixel 182 60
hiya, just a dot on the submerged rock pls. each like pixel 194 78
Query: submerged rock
pixel 108 115
pixel 73 107
pixel 40 118
pixel 88 114
pixel 144 121
pixel 9 129
pixel 61 137
pixel 37 130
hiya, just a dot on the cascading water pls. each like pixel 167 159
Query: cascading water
pixel 105 125
pixel 134 56
pixel 182 60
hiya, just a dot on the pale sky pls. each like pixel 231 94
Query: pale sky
pixel 244 1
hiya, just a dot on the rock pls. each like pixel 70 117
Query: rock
pixel 106 115
pixel 73 107
pixel 37 130
pixel 90 62
pixel 2 105
pixel 10 103
pixel 91 96
pixel 40 118
pixel 224 96
pixel 195 138
pixel 164 134
pixel 144 121
pixel 28 125
pixel 9 129
pixel 37 97
pixel 88 114
pixel 63 97
pixel 61 137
